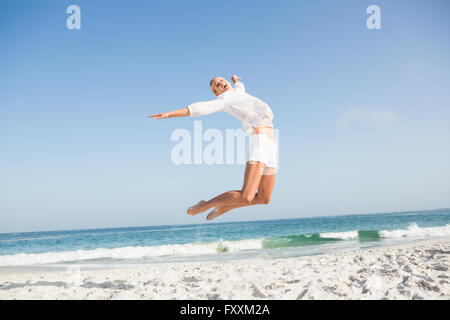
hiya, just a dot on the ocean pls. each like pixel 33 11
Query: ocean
pixel 267 239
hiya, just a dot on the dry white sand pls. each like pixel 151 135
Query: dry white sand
pixel 417 270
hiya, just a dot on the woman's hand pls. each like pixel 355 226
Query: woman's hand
pixel 163 115
pixel 184 112
pixel 235 79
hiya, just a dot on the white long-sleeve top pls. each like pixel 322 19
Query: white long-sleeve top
pixel 251 111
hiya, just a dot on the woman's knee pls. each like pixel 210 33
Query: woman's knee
pixel 247 197
pixel 263 199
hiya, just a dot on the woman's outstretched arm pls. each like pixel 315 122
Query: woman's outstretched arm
pixel 193 110
pixel 235 79
pixel 184 112
pixel 239 86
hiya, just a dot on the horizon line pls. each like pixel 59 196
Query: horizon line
pixel 245 221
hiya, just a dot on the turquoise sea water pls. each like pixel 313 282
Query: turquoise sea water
pixel 220 241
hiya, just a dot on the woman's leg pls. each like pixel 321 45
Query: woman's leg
pixel 262 197
pixel 252 178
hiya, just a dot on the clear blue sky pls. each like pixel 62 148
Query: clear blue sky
pixel 363 115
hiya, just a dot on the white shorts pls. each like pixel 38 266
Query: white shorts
pixel 263 149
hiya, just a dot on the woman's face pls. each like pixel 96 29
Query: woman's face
pixel 220 85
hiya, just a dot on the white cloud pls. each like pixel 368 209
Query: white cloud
pixel 360 115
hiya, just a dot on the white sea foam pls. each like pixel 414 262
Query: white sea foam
pixel 131 253
pixel 414 231
pixel 347 235
pixel 242 245
pixel 194 249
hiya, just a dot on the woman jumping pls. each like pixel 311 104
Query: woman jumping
pixel 261 154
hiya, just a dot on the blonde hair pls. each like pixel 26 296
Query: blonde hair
pixel 211 85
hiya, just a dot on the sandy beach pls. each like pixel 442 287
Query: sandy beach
pixel 418 270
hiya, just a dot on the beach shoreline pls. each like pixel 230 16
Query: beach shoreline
pixel 414 270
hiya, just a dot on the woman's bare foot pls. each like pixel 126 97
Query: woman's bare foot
pixel 218 211
pixel 198 208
